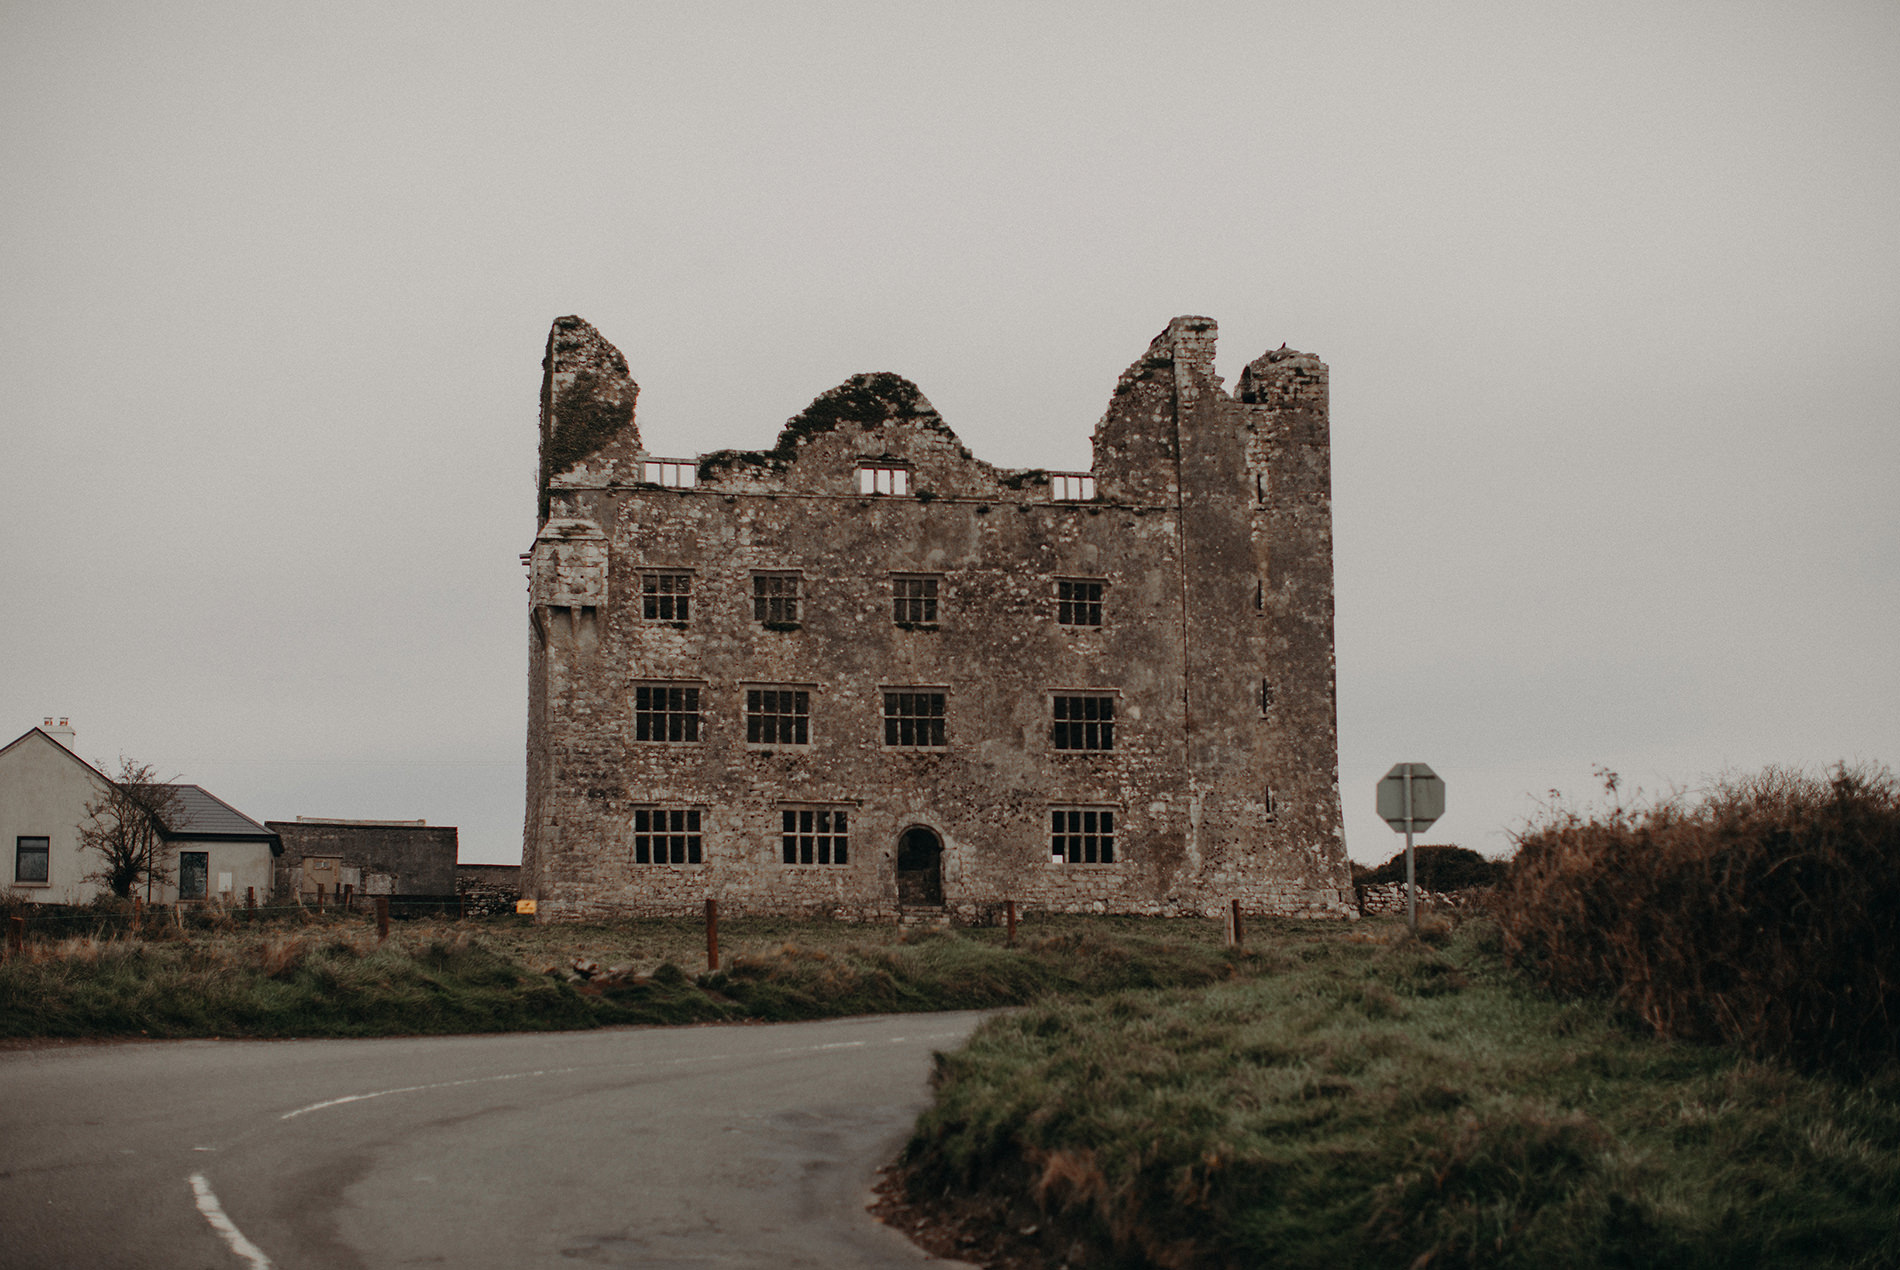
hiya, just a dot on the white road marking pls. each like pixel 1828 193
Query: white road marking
pixel 559 1071
pixel 410 1089
pixel 227 1229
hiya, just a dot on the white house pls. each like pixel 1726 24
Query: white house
pixel 211 848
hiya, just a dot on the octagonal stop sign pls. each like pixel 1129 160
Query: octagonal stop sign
pixel 1427 802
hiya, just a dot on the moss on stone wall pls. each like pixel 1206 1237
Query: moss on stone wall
pixel 585 419
pixel 869 401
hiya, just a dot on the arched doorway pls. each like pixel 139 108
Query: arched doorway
pixel 919 868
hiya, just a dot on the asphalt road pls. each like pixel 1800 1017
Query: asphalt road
pixel 653 1147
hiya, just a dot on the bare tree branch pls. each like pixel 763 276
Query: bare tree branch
pixel 124 828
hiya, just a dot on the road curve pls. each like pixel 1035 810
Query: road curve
pixel 652 1147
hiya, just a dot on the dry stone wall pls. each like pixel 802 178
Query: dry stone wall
pixel 1188 594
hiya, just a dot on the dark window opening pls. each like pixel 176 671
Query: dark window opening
pixel 666 835
pixel 775 599
pixel 914 601
pixel 666 597
pixel 913 718
pixel 194 871
pixel 1266 695
pixel 814 835
pixel 32 859
pixel 1084 723
pixel 1078 603
pixel 777 716
pixel 1082 835
pixel 666 712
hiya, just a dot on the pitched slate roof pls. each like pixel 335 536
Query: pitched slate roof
pixel 201 814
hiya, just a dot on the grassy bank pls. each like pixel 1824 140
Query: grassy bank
pixel 331 977
pixel 1398 1104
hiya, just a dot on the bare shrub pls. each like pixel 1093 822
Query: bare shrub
pixel 1760 915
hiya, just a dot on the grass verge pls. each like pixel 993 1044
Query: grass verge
pixel 1397 1104
pixel 330 976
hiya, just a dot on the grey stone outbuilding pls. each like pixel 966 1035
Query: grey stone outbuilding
pixel 407 858
pixel 864 671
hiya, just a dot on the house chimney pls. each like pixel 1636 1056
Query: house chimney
pixel 63 733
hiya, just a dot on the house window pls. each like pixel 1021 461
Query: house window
pixel 1071 487
pixel 1082 835
pixel 666 597
pixel 672 473
pixel 1084 722
pixel 1078 602
pixel 883 480
pixel 913 718
pixel 31 858
pixel 775 599
pixel 666 712
pixel 814 835
pixel 777 716
pixel 914 601
pixel 666 835
pixel 194 869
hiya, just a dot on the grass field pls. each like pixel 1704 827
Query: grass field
pixel 330 976
pixel 1368 1100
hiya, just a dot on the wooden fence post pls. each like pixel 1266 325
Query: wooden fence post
pixel 16 936
pixel 1009 906
pixel 712 934
pixel 250 898
pixel 382 918
pixel 349 897
pixel 1239 936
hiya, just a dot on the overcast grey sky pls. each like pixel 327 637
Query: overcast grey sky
pixel 1610 293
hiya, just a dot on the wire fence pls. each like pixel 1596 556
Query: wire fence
pixel 114 918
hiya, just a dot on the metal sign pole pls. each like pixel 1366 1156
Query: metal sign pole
pixel 1411 879
pixel 1411 797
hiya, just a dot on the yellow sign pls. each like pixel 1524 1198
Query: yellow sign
pixel 524 906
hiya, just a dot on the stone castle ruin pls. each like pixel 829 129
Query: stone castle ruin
pixel 865 673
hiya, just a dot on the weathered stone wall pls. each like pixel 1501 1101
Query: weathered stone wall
pixel 379 857
pixel 1210 532
pixel 1389 897
pixel 488 888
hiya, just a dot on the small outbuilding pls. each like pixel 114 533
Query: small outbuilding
pixel 411 859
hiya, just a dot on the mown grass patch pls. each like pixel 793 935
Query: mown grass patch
pixel 1398 1104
